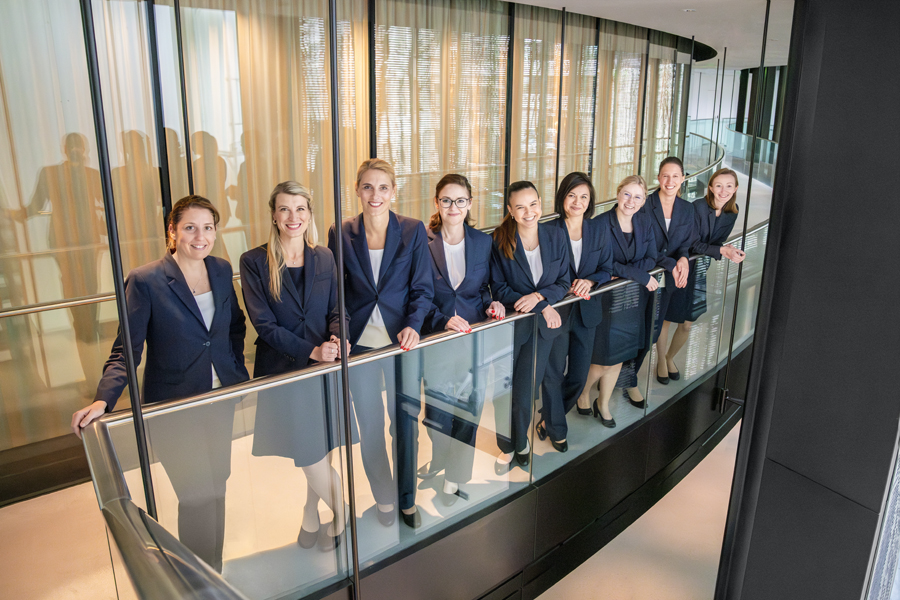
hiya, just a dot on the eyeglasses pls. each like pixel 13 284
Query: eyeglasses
pixel 459 202
pixel 627 197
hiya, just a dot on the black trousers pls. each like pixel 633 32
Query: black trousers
pixel 530 358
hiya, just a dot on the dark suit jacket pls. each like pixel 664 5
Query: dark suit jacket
pixel 180 351
pixel 405 289
pixel 511 278
pixel 595 265
pixel 712 231
pixel 674 243
pixel 631 264
pixel 473 296
pixel 291 329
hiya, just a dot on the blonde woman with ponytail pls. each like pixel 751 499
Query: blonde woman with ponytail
pixel 290 291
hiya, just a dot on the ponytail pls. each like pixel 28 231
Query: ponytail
pixel 505 236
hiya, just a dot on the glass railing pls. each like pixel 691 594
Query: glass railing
pixel 254 479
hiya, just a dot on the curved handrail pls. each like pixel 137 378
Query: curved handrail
pixel 160 566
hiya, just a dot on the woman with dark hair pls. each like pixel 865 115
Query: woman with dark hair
pixel 529 272
pixel 621 334
pixel 290 291
pixel 672 219
pixel 715 216
pixel 388 291
pixel 184 307
pixel 460 261
pixel 590 265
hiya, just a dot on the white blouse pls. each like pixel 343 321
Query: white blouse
pixel 207 305
pixel 576 251
pixel 375 334
pixel 534 262
pixel 456 262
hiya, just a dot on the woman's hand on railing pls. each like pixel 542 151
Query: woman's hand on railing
pixel 527 302
pixel 336 340
pixel 581 288
pixel 653 284
pixel 496 310
pixel 326 352
pixel 408 338
pixel 554 321
pixel 732 254
pixel 82 418
pixel 457 323
pixel 680 273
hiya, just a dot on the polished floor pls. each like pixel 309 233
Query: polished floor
pixel 672 551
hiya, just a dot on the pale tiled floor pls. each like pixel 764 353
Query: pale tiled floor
pixel 672 551
pixel 55 547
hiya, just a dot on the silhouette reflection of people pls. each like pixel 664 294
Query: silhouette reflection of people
pixel 136 189
pixel 76 236
pixel 177 167
pixel 210 174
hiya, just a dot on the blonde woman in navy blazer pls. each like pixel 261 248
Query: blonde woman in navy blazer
pixel 460 260
pixel 623 330
pixel 672 218
pixel 518 283
pixel 290 291
pixel 184 307
pixel 590 265
pixel 714 219
pixel 386 307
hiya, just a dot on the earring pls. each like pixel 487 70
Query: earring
pixel 274 222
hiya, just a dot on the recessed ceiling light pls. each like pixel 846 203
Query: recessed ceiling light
pixel 689 10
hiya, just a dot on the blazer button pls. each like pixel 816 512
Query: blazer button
pixel 206 344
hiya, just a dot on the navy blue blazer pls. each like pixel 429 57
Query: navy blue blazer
pixel 180 351
pixel 674 243
pixel 595 265
pixel 405 289
pixel 291 329
pixel 712 231
pixel 631 263
pixel 472 298
pixel 511 278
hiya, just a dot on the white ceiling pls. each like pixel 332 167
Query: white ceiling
pixel 735 24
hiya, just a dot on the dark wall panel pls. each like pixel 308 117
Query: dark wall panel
pixel 793 566
pixel 467 563
pixel 572 500
pixel 834 419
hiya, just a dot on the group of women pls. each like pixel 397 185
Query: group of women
pixel 403 280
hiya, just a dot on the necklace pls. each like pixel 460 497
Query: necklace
pixel 196 285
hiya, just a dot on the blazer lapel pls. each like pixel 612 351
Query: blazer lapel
pixel 521 260
pixel 361 248
pixel 179 286
pixel 309 274
pixel 659 214
pixel 391 243
pixel 617 231
pixel 546 256
pixel 436 246
pixel 470 250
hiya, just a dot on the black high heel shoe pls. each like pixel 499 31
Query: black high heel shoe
pixel 665 380
pixel 541 431
pixel 674 375
pixel 583 411
pixel 611 422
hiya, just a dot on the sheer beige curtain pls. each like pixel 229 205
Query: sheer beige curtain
pixel 123 56
pixel 577 103
pixel 660 108
pixel 258 89
pixel 621 61
pixel 440 81
pixel 536 70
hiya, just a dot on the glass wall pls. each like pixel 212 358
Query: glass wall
pixel 241 101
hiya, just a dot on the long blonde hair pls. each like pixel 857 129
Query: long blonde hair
pixel 275 251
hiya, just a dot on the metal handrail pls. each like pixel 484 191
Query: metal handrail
pixel 160 566
pixel 97 298
pixel 270 381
